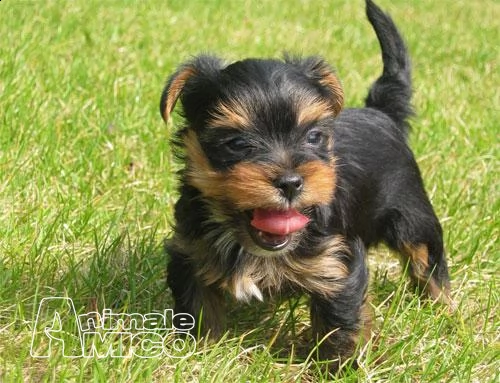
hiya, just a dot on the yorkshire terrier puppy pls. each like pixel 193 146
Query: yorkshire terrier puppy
pixel 282 190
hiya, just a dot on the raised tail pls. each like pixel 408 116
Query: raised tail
pixel 391 93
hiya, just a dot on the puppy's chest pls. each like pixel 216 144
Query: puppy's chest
pixel 322 272
pixel 257 278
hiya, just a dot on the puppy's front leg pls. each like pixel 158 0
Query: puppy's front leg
pixel 338 321
pixel 192 296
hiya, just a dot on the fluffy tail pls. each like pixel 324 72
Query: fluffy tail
pixel 392 91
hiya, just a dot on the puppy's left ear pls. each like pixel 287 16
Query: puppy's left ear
pixel 320 72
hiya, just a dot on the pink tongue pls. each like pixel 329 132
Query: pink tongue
pixel 281 222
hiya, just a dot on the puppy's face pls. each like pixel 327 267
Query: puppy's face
pixel 258 144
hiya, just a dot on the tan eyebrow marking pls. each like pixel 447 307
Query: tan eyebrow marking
pixel 230 115
pixel 313 111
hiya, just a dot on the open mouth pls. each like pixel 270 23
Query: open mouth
pixel 273 229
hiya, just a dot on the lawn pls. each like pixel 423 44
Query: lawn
pixel 87 182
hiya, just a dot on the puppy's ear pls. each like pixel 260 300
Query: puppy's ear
pixel 203 65
pixel 173 89
pixel 320 72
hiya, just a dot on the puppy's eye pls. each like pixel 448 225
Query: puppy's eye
pixel 315 137
pixel 237 144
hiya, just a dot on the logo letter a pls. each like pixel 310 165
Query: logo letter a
pixel 56 328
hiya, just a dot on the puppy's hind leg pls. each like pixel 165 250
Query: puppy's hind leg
pixel 414 231
pixel 428 269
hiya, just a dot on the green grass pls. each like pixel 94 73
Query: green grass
pixel 87 179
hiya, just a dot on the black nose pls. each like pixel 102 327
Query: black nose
pixel 290 184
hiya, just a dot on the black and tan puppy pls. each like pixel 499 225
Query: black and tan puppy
pixel 282 190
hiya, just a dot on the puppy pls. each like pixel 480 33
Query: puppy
pixel 284 191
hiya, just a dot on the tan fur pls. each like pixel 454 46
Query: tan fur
pixel 175 90
pixel 200 173
pixel 230 115
pixel 365 323
pixel 319 183
pixel 247 186
pixel 419 258
pixel 331 81
pixel 311 111
pixel 322 274
pixel 233 185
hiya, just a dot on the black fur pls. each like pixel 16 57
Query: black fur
pixel 377 194
pixel 343 312
pixel 380 194
pixel 392 91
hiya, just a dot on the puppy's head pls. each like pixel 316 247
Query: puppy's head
pixel 258 143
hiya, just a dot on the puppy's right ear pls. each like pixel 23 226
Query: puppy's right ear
pixel 203 66
pixel 173 89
